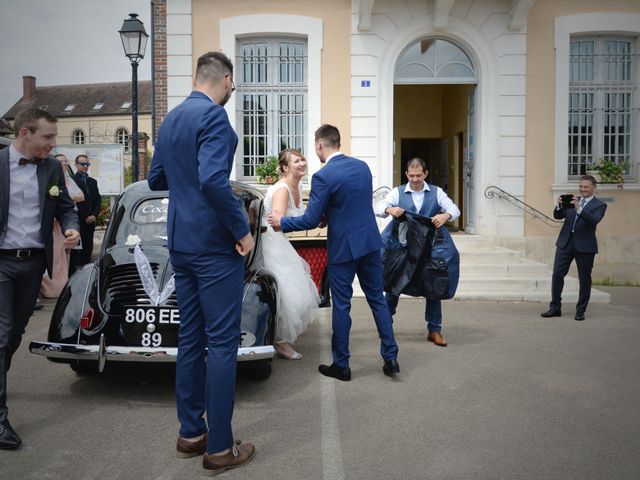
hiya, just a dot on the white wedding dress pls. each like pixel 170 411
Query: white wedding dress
pixel 297 293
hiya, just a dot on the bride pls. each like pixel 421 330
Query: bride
pixel 297 293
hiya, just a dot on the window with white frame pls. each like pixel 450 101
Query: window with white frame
pixel 602 117
pixel 77 137
pixel 271 103
pixel 122 137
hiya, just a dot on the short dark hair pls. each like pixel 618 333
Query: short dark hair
pixel 417 162
pixel 212 67
pixel 589 178
pixel 328 135
pixel 28 118
pixel 82 155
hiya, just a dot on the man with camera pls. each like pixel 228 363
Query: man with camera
pixel 577 240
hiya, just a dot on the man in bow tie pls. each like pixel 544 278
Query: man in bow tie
pixel 32 193
pixel 577 240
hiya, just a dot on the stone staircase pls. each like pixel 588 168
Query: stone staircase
pixel 492 272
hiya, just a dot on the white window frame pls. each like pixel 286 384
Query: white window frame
pixel 271 88
pixel 122 141
pixel 598 88
pixel 78 137
pixel 233 28
pixel 618 24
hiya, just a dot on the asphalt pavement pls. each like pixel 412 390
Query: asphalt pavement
pixel 513 396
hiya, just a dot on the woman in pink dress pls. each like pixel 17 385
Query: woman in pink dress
pixel 52 287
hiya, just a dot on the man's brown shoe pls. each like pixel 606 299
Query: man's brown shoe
pixel 436 338
pixel 238 456
pixel 187 449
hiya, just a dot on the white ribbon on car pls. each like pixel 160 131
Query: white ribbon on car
pixel 149 280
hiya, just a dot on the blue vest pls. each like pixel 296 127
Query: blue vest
pixel 443 250
pixel 429 203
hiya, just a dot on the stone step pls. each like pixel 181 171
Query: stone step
pixel 523 268
pixel 569 298
pixel 465 242
pixel 499 254
pixel 524 283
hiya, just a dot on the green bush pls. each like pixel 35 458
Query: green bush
pixel 267 172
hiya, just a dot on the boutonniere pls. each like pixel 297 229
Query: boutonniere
pixel 53 190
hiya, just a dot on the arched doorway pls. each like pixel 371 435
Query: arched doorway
pixel 434 118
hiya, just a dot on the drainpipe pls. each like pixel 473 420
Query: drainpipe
pixel 153 73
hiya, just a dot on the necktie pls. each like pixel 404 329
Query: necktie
pixel 575 219
pixel 26 161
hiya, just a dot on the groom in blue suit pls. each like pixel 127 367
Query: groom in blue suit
pixel 208 236
pixel 342 193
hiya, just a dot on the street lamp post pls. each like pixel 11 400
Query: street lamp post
pixel 134 41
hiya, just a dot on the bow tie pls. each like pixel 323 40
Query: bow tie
pixel 26 161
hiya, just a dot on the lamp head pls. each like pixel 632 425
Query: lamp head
pixel 134 38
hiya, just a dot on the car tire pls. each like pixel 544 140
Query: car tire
pixel 260 372
pixel 83 367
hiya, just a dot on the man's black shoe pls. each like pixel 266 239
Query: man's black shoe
pixel 391 367
pixel 38 306
pixel 335 371
pixel 579 316
pixel 551 313
pixel 9 440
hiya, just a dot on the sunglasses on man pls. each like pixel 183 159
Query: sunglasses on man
pixel 84 164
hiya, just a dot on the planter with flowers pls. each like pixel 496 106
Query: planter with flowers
pixel 267 172
pixel 608 171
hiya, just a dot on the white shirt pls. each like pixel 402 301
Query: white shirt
pixel 392 200
pixel 23 221
pixel 586 200
pixel 334 154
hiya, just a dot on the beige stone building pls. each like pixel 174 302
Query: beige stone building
pixel 508 100
pixel 89 114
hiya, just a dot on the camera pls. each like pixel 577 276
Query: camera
pixel 566 200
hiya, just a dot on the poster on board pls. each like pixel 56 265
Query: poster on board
pixel 106 164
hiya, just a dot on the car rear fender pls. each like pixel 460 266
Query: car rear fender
pixel 259 309
pixel 71 304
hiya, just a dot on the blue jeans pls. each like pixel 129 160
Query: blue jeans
pixel 432 311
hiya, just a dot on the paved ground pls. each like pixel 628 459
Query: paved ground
pixel 514 396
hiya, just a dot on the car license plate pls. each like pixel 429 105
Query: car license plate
pixel 151 326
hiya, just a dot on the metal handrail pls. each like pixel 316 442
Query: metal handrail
pixel 492 191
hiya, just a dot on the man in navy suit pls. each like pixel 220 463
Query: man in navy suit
pixel 32 194
pixel 342 193
pixel 577 240
pixel 208 236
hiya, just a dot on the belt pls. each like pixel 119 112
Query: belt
pixel 22 252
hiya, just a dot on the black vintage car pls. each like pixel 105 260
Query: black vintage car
pixel 105 312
